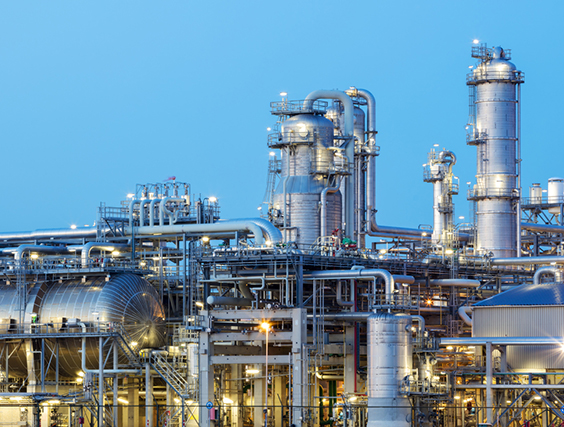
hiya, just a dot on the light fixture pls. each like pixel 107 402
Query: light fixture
pixel 265 326
pixel 73 226
pixel 212 199
pixel 122 400
pixel 283 94
pixel 205 239
pixel 199 304
pixel 80 374
pixel 457 397
pixel 115 253
pixel 134 344
pixel 353 398
pixel 176 400
pixel 34 256
pixel 130 195
pixel 449 252
pixel 537 397
pixel 252 371
pixel 450 348
pixel 475 41
pixel 227 401
pixel 268 129
pixel 508 402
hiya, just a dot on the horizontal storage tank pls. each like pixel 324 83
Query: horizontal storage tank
pixel 58 307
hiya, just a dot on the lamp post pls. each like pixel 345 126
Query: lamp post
pixel 266 327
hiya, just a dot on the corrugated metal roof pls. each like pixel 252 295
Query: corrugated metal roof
pixel 544 294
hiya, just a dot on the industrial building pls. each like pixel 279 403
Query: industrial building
pixel 166 314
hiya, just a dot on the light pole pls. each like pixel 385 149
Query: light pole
pixel 266 327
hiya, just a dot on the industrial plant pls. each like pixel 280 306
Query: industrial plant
pixel 313 314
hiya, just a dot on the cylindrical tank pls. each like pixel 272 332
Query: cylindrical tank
pixel 125 298
pixel 389 362
pixel 495 80
pixel 535 193
pixel 306 163
pixel 555 194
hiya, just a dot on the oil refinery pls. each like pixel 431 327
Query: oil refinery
pixel 313 314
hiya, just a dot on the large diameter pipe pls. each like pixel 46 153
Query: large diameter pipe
pixel 464 312
pixel 217 227
pixel 271 233
pixel 542 228
pixel 54 250
pixel 50 233
pixel 528 260
pixel 555 271
pixel 349 148
pixel 469 283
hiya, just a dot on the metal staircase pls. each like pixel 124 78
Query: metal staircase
pixel 178 382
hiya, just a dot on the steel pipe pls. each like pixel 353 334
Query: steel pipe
pixel 528 260
pixel 464 313
pixel 217 227
pixel 555 271
pixel 362 274
pixel 349 147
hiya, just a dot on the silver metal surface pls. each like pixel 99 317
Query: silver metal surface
pixel 126 298
pixel 555 194
pixel 525 326
pixel 494 81
pixel 307 162
pixel 535 193
pixel 389 361
pixel 349 149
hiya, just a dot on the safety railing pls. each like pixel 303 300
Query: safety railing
pixel 286 108
pixel 485 193
pixel 484 75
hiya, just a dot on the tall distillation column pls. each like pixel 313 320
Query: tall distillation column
pixel 438 171
pixel 494 130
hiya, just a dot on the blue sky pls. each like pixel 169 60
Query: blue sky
pixel 98 96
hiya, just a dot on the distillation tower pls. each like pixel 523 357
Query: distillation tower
pixel 495 130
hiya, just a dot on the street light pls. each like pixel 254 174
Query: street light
pixel 266 327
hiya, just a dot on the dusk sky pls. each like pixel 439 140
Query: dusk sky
pixel 96 97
